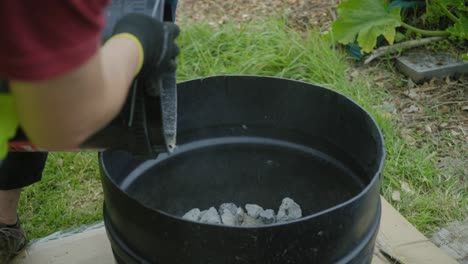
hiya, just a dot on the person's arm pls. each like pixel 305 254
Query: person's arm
pixel 65 87
pixel 60 113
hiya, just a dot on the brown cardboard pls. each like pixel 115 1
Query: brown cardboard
pixel 397 238
pixel 89 247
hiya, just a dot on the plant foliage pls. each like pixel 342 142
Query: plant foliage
pixel 365 21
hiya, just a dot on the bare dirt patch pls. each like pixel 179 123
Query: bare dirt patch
pixel 302 13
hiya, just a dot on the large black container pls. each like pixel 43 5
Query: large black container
pixel 251 139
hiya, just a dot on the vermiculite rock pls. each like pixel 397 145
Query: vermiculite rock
pixel 289 210
pixel 249 221
pixel 193 215
pixel 210 216
pixel 253 210
pixel 267 217
pixel 254 215
pixel 240 216
pixel 228 214
pixel 230 207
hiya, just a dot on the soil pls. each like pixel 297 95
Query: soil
pixel 435 112
pixel 302 13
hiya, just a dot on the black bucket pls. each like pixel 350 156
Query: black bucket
pixel 251 139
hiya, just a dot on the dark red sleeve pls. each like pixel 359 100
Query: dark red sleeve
pixel 44 39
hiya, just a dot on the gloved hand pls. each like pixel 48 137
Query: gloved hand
pixel 157 40
pixel 138 128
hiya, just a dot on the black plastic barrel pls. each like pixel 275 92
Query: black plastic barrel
pixel 251 139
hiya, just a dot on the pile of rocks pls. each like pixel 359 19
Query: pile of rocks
pixel 252 215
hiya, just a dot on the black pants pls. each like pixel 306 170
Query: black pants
pixel 21 169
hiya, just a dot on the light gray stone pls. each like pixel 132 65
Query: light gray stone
pixel 228 219
pixel 228 214
pixel 249 221
pixel 228 207
pixel 253 210
pixel 210 216
pixel 267 217
pixel 257 216
pixel 288 211
pixel 240 216
pixel 193 215
pixel 253 215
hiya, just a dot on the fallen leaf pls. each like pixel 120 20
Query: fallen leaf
pixel 396 196
pixel 444 109
pixel 405 187
pixel 409 139
pixel 222 21
pixel 428 129
pixel 455 133
pixel 412 94
pixel 355 74
pixel 245 17
pixel 411 109
pixel 59 162
pixel 420 131
pixel 443 125
pixel 389 107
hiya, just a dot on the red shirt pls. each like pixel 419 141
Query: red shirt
pixel 45 39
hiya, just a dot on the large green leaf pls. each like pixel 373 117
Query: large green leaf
pixel 460 29
pixel 366 19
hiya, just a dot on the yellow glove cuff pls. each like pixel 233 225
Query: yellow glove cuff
pixel 137 42
pixel 8 122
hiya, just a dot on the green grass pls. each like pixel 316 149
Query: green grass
pixel 271 48
pixel 70 194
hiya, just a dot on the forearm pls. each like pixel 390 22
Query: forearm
pixel 60 114
pixel 120 60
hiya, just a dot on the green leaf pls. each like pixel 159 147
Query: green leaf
pixel 366 19
pixel 460 29
pixel 400 37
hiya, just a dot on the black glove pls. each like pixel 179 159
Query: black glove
pixel 157 39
